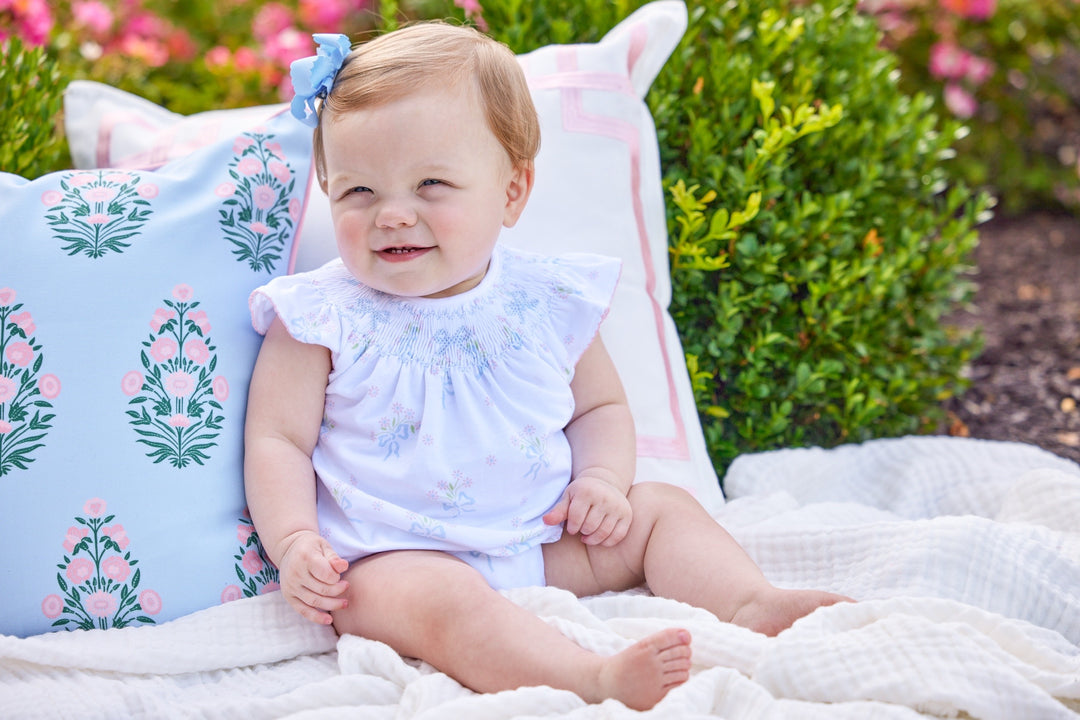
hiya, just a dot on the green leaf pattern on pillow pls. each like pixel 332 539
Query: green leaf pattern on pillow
pixel 256 574
pixel 176 396
pixel 24 391
pixel 98 212
pixel 259 212
pixel 98 579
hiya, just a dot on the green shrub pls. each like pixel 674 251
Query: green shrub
pixel 816 245
pixel 30 98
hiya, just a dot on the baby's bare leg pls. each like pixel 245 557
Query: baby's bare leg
pixel 432 606
pixel 676 547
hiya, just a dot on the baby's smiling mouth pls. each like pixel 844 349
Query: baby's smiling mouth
pixel 403 252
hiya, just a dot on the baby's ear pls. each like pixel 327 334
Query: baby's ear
pixel 517 193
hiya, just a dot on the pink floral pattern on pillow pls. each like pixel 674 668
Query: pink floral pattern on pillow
pixel 98 212
pixel 257 575
pixel 258 211
pixel 98 579
pixel 177 396
pixel 24 391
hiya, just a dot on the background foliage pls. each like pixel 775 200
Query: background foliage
pixel 820 218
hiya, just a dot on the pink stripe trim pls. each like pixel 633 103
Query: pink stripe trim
pixel 575 119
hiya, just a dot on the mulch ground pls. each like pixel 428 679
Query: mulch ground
pixel 1026 383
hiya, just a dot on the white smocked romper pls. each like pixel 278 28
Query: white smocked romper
pixel 444 417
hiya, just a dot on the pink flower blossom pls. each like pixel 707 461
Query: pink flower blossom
pixel 183 292
pixel 73 537
pixel 269 588
pixel 99 194
pixel 199 318
pixel 286 46
pixel 132 383
pixel 150 602
pixel 221 388
pixel 276 150
pixel 252 562
pixel 163 349
pixel 230 593
pixel 241 144
pixel 25 322
pixel 100 604
pixel 960 102
pixel 974 9
pixel 8 389
pixel 323 13
pixel 179 421
pixel 80 179
pixel 249 166
pixel 179 384
pixel 264 197
pixel 271 19
pixel 196 351
pixel 19 353
pixel 280 170
pixel 51 198
pixel 79 571
pixel 150 51
pixel 161 316
pixel 94 507
pixel 52 606
pixel 244 533
pixel 32 20
pixel 295 209
pixel 245 59
pixel 120 178
pixel 49 386
pixel 218 57
pixel 7 296
pixel 98 219
pixel 118 535
pixel 259 228
pixel 225 189
pixel 116 568
pixel 93 15
pixel 948 60
pixel 148 191
pixel 979 70
pixel 5 427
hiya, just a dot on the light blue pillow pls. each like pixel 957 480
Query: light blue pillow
pixel 125 353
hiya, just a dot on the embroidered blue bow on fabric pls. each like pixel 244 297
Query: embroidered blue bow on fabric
pixel 313 77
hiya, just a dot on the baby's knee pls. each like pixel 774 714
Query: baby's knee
pixel 658 494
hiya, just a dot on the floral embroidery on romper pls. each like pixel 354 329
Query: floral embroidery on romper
pixel 178 411
pixel 98 579
pixel 534 447
pixel 395 428
pixel 257 574
pixel 24 392
pixel 258 212
pixel 95 213
pixel 452 494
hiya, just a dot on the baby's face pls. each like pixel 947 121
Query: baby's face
pixel 419 190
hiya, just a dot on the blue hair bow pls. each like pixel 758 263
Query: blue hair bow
pixel 313 77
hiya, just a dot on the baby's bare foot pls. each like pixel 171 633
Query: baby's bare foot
pixel 778 609
pixel 641 675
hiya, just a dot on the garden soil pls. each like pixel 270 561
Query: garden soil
pixel 1025 385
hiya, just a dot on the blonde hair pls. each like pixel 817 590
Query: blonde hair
pixel 398 63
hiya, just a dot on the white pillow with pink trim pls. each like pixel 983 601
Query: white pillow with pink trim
pixel 598 189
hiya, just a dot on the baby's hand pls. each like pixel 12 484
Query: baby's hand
pixel 310 576
pixel 595 508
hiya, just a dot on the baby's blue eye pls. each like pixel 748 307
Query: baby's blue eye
pixel 361 189
pixel 429 182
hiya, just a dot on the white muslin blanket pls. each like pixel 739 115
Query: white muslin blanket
pixel 964 556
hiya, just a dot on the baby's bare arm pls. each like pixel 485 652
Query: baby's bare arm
pixel 285 407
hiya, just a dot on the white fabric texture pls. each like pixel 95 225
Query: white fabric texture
pixel 964 554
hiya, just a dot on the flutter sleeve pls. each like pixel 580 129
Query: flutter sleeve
pixel 302 303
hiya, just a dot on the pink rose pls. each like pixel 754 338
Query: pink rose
pixel 244 532
pixel 183 292
pixel 92 15
pixel 272 18
pixel 264 197
pixel 269 588
pixel 948 60
pixel 118 535
pixel 150 602
pixel 199 318
pixel 94 507
pixel 98 219
pixel 960 102
pixel 197 351
pixel 52 606
pixel 99 194
pixel 116 568
pixel 79 571
pixel 179 384
pixel 49 386
pixel 241 144
pixel 230 593
pixel 25 322
pixel 132 383
pixel 5 427
pixel 260 228
pixel 294 209
pixel 163 348
pixel 74 537
pixel 80 179
pixel 221 388
pixel 7 296
pixel 8 389
pixel 280 170
pixel 100 604
pixel 225 190
pixel 161 316
pixel 249 166
pixel 19 353
pixel 148 191
pixel 51 198
pixel 252 562
pixel 117 177
pixel 179 421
